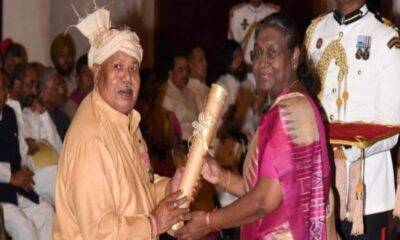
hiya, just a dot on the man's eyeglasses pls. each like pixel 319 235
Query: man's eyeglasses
pixel 270 54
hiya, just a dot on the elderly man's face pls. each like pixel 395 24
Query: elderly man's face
pixel 54 94
pixel 179 73
pixel 118 82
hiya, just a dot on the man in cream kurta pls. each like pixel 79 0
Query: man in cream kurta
pixel 105 188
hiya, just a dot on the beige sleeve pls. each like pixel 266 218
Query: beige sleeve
pixel 160 187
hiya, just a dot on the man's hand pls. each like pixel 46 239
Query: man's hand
pixel 168 212
pixel 32 146
pixel 176 180
pixel 23 178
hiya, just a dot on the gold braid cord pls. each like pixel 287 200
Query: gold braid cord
pixel 335 51
pixel 310 32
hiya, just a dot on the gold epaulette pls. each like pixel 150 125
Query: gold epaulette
pixel 234 8
pixel 310 31
pixel 273 6
pixel 387 22
pixel 394 41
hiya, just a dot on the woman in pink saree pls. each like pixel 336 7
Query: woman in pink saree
pixel 283 192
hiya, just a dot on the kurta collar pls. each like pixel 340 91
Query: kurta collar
pixel 175 89
pixel 130 121
pixel 196 80
pixel 256 9
pixel 351 17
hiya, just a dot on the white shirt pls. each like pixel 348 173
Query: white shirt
pixel 241 19
pixel 201 91
pixel 5 168
pixel 72 83
pixel 251 119
pixel 41 128
pixel 373 86
pixel 183 104
pixel 231 85
pixel 16 106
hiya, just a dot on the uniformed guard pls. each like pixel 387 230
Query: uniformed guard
pixel 243 19
pixel 357 58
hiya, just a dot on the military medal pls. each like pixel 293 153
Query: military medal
pixel 319 43
pixel 363 47
pixel 359 53
pixel 366 54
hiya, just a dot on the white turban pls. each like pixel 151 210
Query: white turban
pixel 105 41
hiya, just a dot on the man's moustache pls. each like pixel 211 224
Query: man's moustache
pixel 126 87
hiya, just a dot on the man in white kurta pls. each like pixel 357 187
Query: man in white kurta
pixel 197 77
pixel 26 216
pixel 36 127
pixel 179 98
pixel 368 92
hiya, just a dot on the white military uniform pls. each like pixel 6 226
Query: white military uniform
pixel 372 85
pixel 243 18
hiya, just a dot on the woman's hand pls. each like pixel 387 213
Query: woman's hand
pixel 196 226
pixel 212 171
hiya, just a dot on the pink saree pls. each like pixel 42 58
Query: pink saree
pixel 290 146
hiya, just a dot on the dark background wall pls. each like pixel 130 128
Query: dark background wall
pixel 182 23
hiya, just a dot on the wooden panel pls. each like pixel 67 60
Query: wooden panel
pixel 183 23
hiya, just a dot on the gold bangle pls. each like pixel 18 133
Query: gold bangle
pixel 229 181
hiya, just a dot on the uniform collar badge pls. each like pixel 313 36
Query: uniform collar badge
pixel 351 17
pixel 363 47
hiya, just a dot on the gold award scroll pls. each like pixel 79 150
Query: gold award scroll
pixel 202 136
